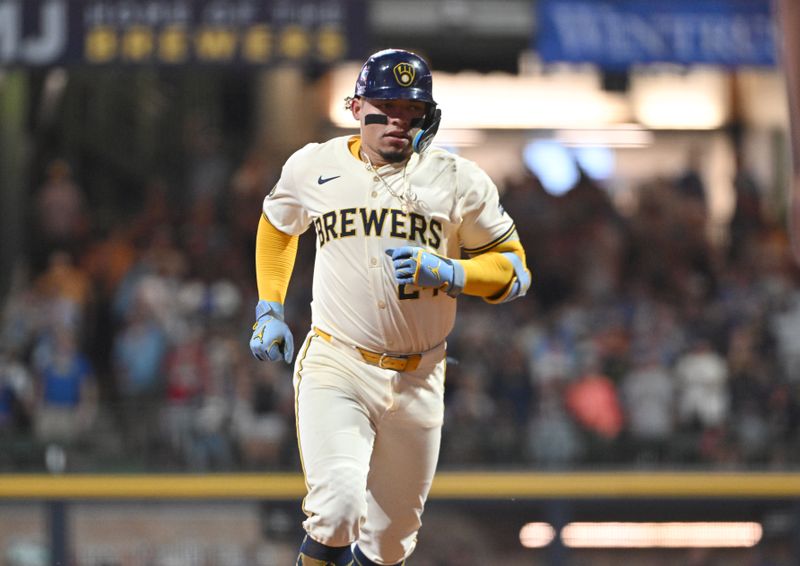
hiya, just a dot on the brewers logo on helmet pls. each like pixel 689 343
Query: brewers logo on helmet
pixel 404 73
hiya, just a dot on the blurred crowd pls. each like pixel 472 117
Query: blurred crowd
pixel 647 342
pixel 123 340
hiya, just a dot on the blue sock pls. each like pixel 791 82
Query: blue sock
pixel 322 555
pixel 361 560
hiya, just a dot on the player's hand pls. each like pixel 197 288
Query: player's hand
pixel 414 266
pixel 272 339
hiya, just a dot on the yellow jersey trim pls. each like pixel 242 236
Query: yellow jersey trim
pixel 354 145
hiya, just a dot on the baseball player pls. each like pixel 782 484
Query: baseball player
pixel 392 217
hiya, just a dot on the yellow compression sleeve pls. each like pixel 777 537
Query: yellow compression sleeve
pixel 489 274
pixel 275 255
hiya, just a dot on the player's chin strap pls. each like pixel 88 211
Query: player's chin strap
pixel 424 137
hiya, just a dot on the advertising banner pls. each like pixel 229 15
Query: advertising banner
pixel 179 32
pixel 616 34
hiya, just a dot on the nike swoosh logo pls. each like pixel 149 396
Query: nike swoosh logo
pixel 322 181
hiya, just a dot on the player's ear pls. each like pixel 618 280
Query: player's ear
pixel 356 107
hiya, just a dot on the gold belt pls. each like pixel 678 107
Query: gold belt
pixel 393 362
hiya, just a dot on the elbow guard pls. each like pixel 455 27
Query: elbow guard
pixel 520 282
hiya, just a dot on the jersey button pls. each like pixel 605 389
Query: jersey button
pixel 381 305
pixel 373 261
pixel 374 194
pixel 376 178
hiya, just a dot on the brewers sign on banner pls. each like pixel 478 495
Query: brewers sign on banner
pixel 179 32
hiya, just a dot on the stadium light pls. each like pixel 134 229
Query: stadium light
pixel 681 100
pixel 536 535
pixel 646 535
pixel 503 101
pixel 661 99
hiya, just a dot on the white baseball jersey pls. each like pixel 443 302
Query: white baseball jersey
pixel 438 201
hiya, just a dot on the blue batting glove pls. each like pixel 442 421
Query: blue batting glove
pixel 272 339
pixel 415 266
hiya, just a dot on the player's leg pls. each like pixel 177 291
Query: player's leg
pixel 400 480
pixel 402 468
pixel 335 438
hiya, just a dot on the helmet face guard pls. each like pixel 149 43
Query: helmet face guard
pixel 396 74
pixel 430 126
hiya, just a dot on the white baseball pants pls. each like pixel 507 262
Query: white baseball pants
pixel 369 443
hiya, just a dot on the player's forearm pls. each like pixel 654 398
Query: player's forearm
pixel 489 274
pixel 275 255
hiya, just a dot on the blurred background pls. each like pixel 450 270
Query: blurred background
pixel 643 148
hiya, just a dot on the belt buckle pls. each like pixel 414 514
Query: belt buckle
pixel 381 361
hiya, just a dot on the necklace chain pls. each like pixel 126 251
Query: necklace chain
pixel 407 197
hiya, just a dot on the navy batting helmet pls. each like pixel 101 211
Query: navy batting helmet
pixel 395 74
